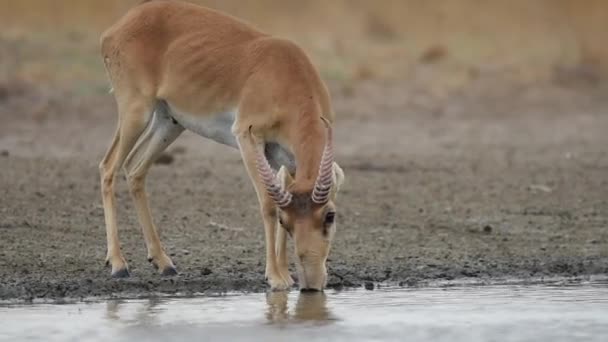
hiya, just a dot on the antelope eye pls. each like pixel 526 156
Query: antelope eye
pixel 330 218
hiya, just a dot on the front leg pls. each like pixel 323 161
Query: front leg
pixel 282 258
pixel 268 209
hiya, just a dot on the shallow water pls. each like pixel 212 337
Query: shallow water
pixel 464 313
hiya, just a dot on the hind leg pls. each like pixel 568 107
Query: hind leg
pixel 161 132
pixel 131 123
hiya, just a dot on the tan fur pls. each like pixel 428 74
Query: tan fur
pixel 205 62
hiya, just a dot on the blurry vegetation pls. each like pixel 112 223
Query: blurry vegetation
pixel 446 42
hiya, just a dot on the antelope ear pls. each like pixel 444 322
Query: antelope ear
pixel 284 177
pixel 338 180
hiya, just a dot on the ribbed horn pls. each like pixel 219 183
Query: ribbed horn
pixel 320 193
pixel 282 198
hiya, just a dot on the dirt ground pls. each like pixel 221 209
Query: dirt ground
pixel 491 182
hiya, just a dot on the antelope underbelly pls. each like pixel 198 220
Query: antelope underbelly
pixel 215 126
pixel 218 127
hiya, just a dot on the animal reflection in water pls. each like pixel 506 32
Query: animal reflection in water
pixel 146 313
pixel 309 307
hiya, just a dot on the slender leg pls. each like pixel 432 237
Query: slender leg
pixel 277 310
pixel 282 258
pixel 161 132
pixel 131 124
pixel 268 211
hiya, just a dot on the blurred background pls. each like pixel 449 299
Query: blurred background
pixel 54 41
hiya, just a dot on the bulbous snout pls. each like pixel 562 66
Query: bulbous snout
pixel 312 274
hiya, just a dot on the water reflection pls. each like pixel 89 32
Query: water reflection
pixel 146 313
pixel 310 307
pixel 467 313
pixel 112 307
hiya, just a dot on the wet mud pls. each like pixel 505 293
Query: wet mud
pixel 485 184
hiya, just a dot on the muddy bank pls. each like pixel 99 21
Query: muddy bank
pixel 481 184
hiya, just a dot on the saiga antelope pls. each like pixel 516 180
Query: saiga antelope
pixel 176 66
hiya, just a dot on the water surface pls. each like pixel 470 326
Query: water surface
pixel 462 313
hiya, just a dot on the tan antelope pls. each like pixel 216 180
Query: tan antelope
pixel 176 66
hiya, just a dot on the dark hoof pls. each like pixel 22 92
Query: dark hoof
pixel 169 272
pixel 124 273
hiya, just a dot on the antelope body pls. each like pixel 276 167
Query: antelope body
pixel 176 66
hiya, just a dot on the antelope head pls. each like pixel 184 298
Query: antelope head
pixel 309 217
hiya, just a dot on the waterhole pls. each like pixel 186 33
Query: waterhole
pixel 456 313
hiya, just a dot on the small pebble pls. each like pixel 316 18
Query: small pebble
pixel 164 159
pixel 487 229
